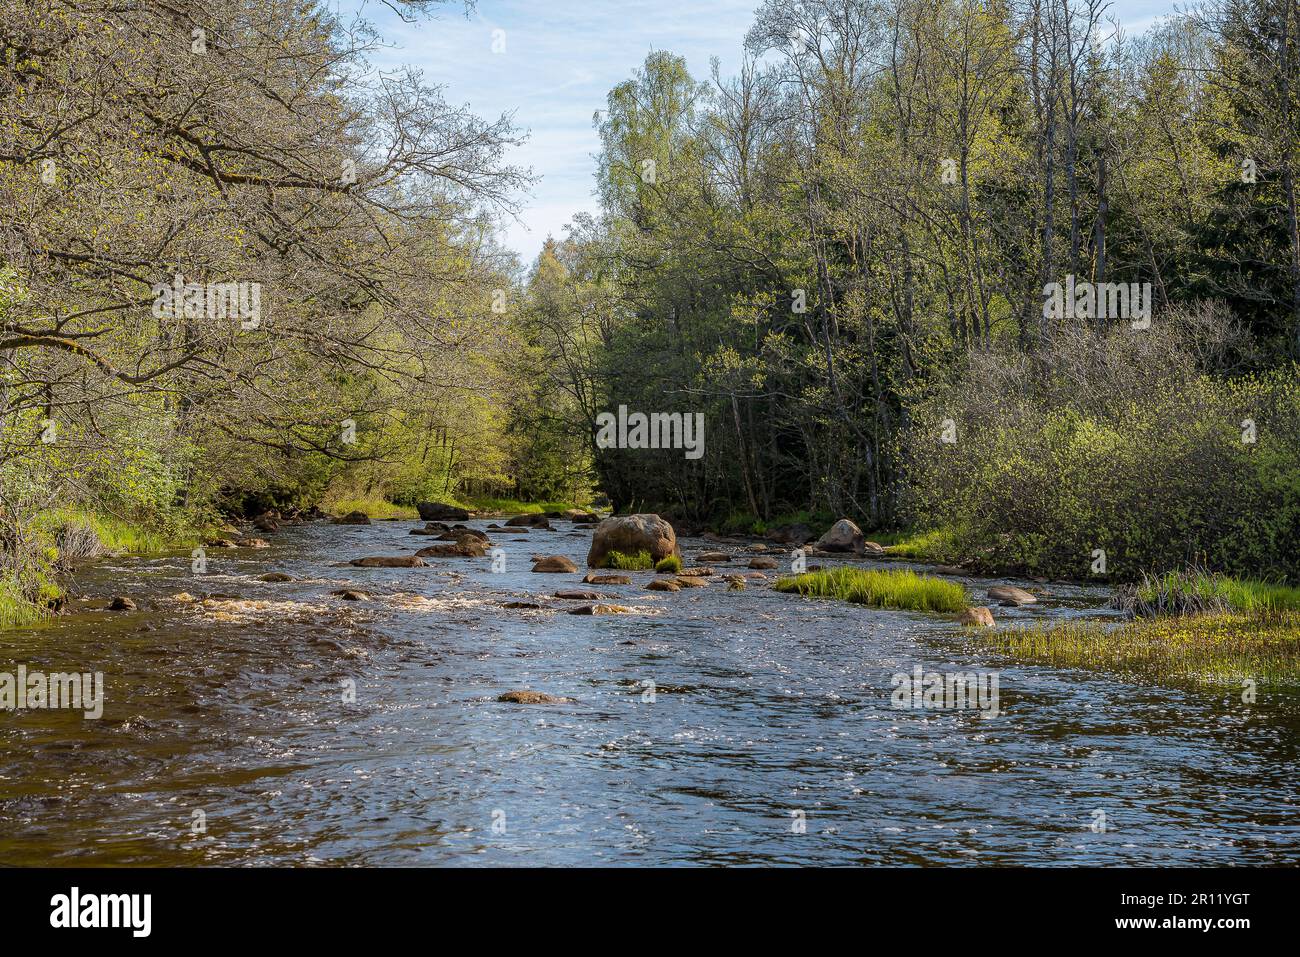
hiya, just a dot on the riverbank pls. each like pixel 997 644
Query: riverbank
pixel 370 729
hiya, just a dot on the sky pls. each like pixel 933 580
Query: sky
pixel 553 62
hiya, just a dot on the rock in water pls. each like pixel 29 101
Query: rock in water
pixel 630 534
pixel 389 561
pixel 275 577
pixel 121 603
pixel 350 594
pixel 843 536
pixel 437 511
pixel 600 610
pixel 465 548
pixel 532 697
pixel 768 563
pixel 978 616
pixel 535 520
pixel 353 518
pixel 555 563
pixel 1010 593
pixel 576 595
pixel 663 584
pixel 592 579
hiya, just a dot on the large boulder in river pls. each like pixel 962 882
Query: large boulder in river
pixel 630 534
pixel 437 511
pixel 843 536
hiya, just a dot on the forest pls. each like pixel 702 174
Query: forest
pixel 996 280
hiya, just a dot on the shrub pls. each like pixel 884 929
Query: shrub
pixel 672 564
pixel 884 589
pixel 1112 441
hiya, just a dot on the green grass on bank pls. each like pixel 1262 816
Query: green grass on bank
pixel 893 588
pixel 1205 649
pixel 937 545
pixel 81 533
pixel 376 508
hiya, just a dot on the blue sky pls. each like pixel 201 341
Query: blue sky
pixel 560 58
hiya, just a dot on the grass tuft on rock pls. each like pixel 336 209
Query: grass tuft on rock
pixel 892 588
pixel 671 565
pixel 635 562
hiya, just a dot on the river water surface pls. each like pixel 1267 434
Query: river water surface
pixel 770 737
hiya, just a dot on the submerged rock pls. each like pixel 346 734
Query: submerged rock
pixel 577 595
pixel 350 594
pixel 253 543
pixel 275 577
pixel 389 561
pixel 121 603
pixel 630 534
pixel 532 605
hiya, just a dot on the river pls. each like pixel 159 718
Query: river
pixel 769 736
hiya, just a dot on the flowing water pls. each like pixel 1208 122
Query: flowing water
pixel 769 736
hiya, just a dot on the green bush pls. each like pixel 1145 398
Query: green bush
pixel 1114 442
pixel 672 564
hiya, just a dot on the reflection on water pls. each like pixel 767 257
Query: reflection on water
pixel 769 738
